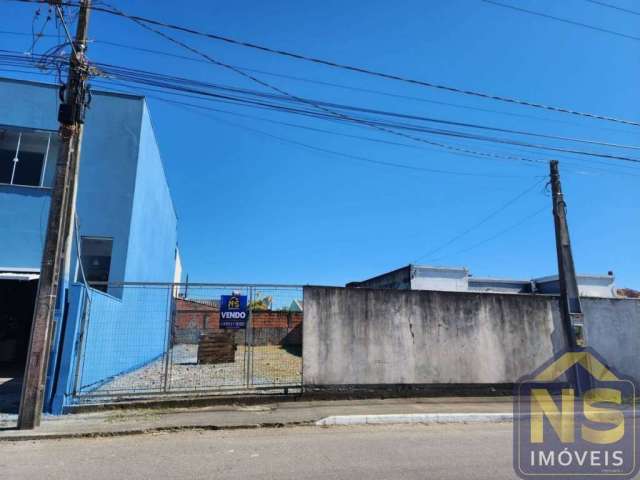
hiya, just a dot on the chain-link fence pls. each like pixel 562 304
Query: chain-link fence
pixel 183 339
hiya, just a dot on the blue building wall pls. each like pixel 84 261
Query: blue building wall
pixel 123 335
pixel 23 222
pixel 153 237
pixel 127 328
pixel 28 104
pixel 123 194
pixel 108 174
pixel 109 153
pixel 24 210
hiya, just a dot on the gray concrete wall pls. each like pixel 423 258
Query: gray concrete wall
pixel 613 330
pixel 366 336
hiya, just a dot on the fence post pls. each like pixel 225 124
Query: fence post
pixel 249 340
pixel 302 343
pixel 82 339
pixel 168 350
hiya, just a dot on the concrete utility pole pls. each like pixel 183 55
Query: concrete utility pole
pixel 71 118
pixel 570 307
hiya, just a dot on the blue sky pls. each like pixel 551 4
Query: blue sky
pixel 254 208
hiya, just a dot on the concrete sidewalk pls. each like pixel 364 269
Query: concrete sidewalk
pixel 137 421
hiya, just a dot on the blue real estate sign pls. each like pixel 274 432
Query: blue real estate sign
pixel 233 311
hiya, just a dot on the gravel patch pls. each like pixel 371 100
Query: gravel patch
pixel 270 365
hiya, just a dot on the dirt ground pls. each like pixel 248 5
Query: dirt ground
pixel 268 364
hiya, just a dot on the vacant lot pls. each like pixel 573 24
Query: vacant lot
pixel 254 366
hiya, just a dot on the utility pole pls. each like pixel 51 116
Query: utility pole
pixel 570 307
pixel 71 118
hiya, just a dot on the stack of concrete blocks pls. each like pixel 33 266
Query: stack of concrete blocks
pixel 217 347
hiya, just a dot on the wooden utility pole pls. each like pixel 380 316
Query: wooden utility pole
pixel 71 118
pixel 570 307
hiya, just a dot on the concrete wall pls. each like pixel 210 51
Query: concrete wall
pixel 364 336
pixel 613 330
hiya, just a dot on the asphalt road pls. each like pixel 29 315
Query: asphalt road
pixel 366 452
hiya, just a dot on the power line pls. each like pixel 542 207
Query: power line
pixel 179 85
pixel 330 132
pixel 288 124
pixel 496 156
pixel 132 74
pixel 480 223
pixel 35 37
pixel 202 107
pixel 349 87
pixel 385 126
pixel 120 71
pixel 66 29
pixel 627 169
pixel 182 85
pixel 367 71
pixel 331 84
pixel 499 234
pixel 346 155
pixel 352 68
pixel 276 122
pixel 294 97
pixel 615 7
pixel 312 147
pixel 565 20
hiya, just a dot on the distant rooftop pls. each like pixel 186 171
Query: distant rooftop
pixel 458 279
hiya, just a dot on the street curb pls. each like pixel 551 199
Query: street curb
pixel 143 431
pixel 423 418
pixel 336 420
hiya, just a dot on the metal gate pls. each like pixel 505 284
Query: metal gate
pixel 159 340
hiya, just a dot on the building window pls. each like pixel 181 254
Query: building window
pixel 24 156
pixel 95 254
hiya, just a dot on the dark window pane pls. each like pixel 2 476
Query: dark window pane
pixel 30 147
pixel 28 169
pixel 96 260
pixel 6 165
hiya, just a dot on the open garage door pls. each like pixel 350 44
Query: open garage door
pixel 17 300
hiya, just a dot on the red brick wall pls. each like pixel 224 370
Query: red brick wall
pixel 193 316
pixel 271 319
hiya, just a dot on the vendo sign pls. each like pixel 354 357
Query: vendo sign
pixel 233 311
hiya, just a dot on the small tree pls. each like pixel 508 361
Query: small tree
pixel 261 302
